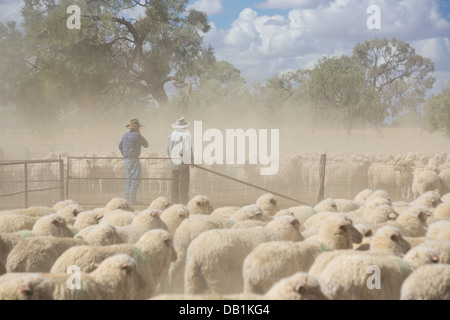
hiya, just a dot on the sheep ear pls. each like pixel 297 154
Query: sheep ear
pixel 392 216
pixel 300 289
pixel 393 237
pixel 154 213
pixel 296 224
pixel 127 267
pixel 435 259
pixel 368 233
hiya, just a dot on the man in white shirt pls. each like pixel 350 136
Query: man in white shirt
pixel 179 149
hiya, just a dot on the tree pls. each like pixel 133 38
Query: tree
pixel 437 111
pixel 338 90
pixel 397 75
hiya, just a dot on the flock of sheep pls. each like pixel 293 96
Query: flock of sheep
pixel 370 247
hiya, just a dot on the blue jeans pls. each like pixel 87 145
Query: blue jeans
pixel 133 167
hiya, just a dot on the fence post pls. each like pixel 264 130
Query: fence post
pixel 67 178
pixel 61 179
pixel 323 161
pixel 1 169
pixel 26 184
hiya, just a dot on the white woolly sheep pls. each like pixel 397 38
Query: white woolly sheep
pixel 214 259
pixel 429 282
pixel 439 230
pixel 70 212
pixel 327 205
pixel 442 211
pixel 64 203
pixel 271 261
pixel 249 224
pixel 344 205
pixel 26 287
pixel 224 212
pixel 117 203
pixel 442 247
pixel 379 193
pixel 413 222
pixel 53 225
pixel 200 205
pixel 429 199
pixel 250 212
pixel 118 218
pixel 13 223
pixel 299 286
pixel 444 177
pixel 173 216
pixel 268 204
pixel 31 211
pixel 160 203
pixel 153 253
pixel 302 213
pixel 100 235
pixel 86 218
pixel 425 179
pixel 373 204
pixel 144 221
pixel 37 254
pixel 116 278
pixel 347 276
pixel 421 255
pixel 390 240
pixel 188 230
pixel 382 214
pixel 363 195
pixel 446 198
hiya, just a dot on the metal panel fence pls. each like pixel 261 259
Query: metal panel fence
pixel 31 183
pixel 93 181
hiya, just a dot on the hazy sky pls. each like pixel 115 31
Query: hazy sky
pixel 263 38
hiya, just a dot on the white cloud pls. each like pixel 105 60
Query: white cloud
pixel 263 45
pixel 211 7
pixel 289 4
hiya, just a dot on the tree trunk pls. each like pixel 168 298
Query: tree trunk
pixel 161 96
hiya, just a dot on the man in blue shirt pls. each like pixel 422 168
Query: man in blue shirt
pixel 130 147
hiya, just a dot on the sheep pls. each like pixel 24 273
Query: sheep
pixel 214 259
pixel 327 205
pixel 349 276
pixel 224 212
pixel 390 240
pixel 271 261
pixel 444 177
pixel 250 212
pixel 344 205
pixel 160 203
pixel 13 223
pixel 413 222
pixel 429 282
pixel 302 213
pixel 429 199
pixel 63 203
pixel 70 212
pixel 52 225
pixel 382 214
pixel 173 216
pixel 117 203
pixel 100 235
pixel 442 247
pixel 153 253
pixel 116 278
pixel 249 224
pixel 37 254
pixel 118 218
pixel 446 198
pixel 442 211
pixel 362 196
pixel 188 230
pixel 268 204
pixel 439 230
pixel 144 221
pixel 373 204
pixel 299 286
pixel 85 219
pixel 200 205
pixel 421 255
pixel 26 287
pixel 378 193
pixel 425 179
pixel 8 241
pixel 31 211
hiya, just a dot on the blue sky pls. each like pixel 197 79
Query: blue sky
pixel 265 37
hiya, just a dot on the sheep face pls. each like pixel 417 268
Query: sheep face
pixel 389 239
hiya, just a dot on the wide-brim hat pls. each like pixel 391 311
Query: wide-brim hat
pixel 134 124
pixel 180 123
